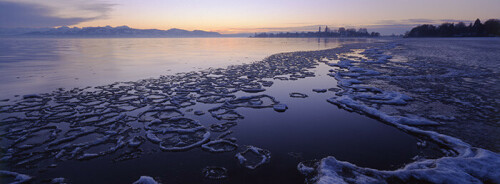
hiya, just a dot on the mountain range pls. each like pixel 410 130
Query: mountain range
pixel 108 31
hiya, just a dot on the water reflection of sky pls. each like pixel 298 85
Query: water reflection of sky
pixel 310 129
pixel 35 65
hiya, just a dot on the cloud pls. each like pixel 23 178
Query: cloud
pixel 32 14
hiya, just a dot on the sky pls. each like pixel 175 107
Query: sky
pixel 245 16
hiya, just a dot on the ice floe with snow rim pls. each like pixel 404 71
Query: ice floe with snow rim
pixel 280 107
pixel 253 157
pixel 342 64
pixel 348 103
pixel 320 90
pixel 226 111
pixel 198 113
pixel 214 172
pixel 135 141
pixel 219 146
pixel 184 142
pixel 298 95
pixel 177 134
pixel 472 166
pixel 253 90
pixel 221 127
pixel 159 113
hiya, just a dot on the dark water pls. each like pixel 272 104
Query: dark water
pixel 310 129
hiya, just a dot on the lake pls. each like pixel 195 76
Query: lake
pixel 310 129
pixel 36 65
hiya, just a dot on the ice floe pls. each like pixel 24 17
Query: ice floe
pixel 320 90
pixel 219 146
pixel 253 157
pixel 214 172
pixel 298 95
pixel 280 107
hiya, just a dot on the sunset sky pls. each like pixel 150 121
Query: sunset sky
pixel 239 16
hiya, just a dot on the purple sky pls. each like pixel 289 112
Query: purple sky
pixel 237 16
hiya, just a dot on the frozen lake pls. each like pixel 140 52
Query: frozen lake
pixel 252 122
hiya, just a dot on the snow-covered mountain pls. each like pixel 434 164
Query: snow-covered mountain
pixel 121 31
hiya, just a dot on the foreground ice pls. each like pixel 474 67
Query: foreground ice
pixel 462 164
pixel 476 166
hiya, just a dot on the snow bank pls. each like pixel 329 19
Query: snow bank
pixel 475 166
pixel 348 103
pixel 463 163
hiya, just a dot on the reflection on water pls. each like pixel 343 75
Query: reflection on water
pixel 310 129
pixel 35 65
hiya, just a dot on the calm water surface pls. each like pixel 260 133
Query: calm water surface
pixel 36 65
pixel 310 129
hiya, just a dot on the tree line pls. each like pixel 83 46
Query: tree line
pixel 327 32
pixel 490 28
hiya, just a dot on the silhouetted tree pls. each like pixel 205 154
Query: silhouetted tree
pixel 375 34
pixel 425 30
pixel 460 29
pixel 477 29
pixel 341 32
pixel 492 27
pixel 446 30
